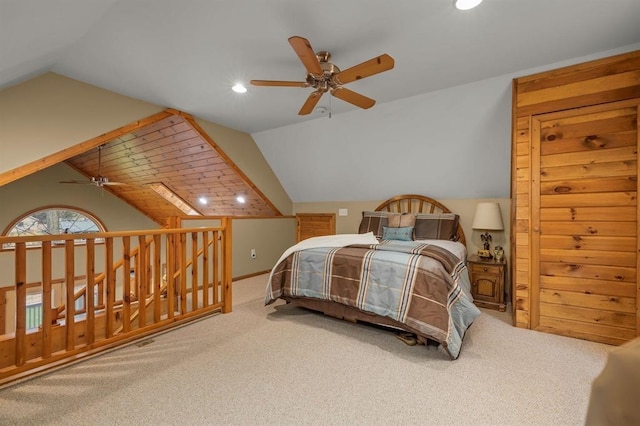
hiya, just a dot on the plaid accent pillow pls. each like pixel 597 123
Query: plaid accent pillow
pixel 397 220
pixel 442 226
pixel 373 222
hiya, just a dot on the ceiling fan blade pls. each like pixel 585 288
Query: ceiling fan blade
pixel 353 97
pixel 306 54
pixel 311 102
pixel 368 68
pixel 78 182
pixel 279 83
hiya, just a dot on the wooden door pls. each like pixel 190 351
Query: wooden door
pixel 314 225
pixel 584 222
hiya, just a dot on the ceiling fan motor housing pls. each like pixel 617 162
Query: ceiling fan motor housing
pixel 325 81
pixel 323 76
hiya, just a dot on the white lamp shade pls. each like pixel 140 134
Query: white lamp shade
pixel 488 217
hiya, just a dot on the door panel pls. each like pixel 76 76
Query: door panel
pixel 584 218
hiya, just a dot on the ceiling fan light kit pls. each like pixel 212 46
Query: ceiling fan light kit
pixel 324 76
pixel 98 180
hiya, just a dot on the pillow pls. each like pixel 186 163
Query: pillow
pixel 403 233
pixel 442 226
pixel 397 220
pixel 373 222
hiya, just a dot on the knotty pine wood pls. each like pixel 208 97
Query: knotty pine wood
pixel 575 216
pixel 314 225
pixel 170 148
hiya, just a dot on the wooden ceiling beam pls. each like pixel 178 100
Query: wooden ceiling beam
pixel 50 160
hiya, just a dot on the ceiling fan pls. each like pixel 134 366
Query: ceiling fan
pixel 97 180
pixel 324 76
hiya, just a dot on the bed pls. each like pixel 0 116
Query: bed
pixel 405 269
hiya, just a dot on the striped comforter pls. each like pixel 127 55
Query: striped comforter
pixel 418 284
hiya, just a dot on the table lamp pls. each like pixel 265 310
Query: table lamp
pixel 488 217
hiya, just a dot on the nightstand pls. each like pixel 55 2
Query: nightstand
pixel 487 282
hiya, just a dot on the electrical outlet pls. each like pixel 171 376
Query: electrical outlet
pixel 253 253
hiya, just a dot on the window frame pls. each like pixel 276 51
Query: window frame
pixel 99 224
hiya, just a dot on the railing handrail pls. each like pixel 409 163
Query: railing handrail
pixel 111 234
pixel 196 282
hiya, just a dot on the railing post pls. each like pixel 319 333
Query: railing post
pixel 227 288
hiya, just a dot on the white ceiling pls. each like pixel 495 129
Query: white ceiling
pixel 186 54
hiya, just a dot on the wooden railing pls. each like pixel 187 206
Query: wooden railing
pixel 135 284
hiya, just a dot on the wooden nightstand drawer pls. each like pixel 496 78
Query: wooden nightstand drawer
pixel 485 269
pixel 487 282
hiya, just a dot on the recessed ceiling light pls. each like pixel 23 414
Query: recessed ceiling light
pixel 240 199
pixel 466 4
pixel 202 200
pixel 239 88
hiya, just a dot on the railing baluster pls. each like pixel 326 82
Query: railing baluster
pixel 126 284
pixel 102 327
pixel 205 269
pixel 157 277
pixel 183 273
pixel 70 309
pixel 217 279
pixel 141 280
pixel 47 310
pixel 171 289
pixel 90 303
pixel 194 271
pixel 21 304
pixel 111 287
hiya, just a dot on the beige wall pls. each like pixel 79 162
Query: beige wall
pixel 49 113
pixel 270 237
pixel 244 152
pixel 463 207
pixel 42 189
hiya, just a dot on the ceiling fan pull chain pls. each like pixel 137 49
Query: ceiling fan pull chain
pixel 330 106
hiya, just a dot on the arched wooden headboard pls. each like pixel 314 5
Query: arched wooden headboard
pixel 412 203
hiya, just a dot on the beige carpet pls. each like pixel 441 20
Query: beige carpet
pixel 284 366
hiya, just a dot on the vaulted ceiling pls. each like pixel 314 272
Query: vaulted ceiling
pixel 187 54
pixel 171 152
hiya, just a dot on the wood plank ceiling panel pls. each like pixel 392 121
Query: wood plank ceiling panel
pixel 173 152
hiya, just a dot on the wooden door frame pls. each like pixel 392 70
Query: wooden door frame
pixel 534 200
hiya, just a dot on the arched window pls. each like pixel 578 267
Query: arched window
pixel 53 221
